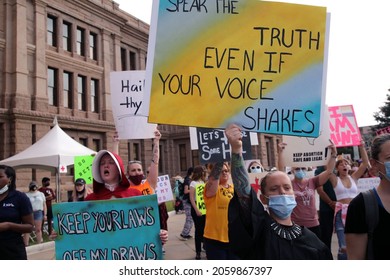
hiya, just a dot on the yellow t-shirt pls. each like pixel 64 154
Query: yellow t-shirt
pixel 216 227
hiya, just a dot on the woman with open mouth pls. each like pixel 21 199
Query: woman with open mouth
pixel 345 188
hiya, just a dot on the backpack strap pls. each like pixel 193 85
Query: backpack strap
pixel 372 218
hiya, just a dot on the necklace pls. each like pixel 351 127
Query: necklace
pixel 287 232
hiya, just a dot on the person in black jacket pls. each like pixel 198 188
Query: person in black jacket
pixel 357 228
pixel 327 205
pixel 255 233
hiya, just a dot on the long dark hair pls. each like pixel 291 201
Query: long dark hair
pixel 377 143
pixel 10 172
pixel 190 171
pixel 199 173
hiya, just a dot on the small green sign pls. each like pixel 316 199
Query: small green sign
pixel 83 168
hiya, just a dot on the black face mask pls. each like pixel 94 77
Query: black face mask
pixel 136 179
pixel 80 192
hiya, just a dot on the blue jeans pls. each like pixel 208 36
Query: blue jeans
pixel 38 215
pixel 339 227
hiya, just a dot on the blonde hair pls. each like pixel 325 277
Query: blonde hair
pixel 87 191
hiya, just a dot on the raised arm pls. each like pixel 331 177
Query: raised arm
pixel 213 181
pixel 239 173
pixel 281 164
pixel 326 174
pixel 365 162
pixel 240 177
pixel 115 145
pixel 153 170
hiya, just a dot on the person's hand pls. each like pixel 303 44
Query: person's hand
pixel 53 235
pixel 234 135
pixel 333 205
pixel 157 134
pixel 333 149
pixel 115 138
pixel 281 147
pixel 163 236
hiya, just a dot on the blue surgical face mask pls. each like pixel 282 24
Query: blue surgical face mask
pixel 299 174
pixel 387 168
pixel 256 169
pixel 282 205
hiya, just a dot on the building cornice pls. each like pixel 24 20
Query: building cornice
pixel 64 121
pixel 105 10
pixel 68 61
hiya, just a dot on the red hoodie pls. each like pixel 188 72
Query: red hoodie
pixel 100 192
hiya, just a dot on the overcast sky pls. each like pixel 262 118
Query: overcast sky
pixel 359 51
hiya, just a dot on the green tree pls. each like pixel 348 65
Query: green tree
pixel 383 116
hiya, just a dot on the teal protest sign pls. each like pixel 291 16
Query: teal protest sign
pixel 116 229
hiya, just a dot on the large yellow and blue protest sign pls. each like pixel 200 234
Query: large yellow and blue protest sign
pixel 116 229
pixel 256 63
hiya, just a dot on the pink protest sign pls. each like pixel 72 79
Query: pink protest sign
pixel 344 130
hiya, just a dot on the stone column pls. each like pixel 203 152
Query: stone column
pixel 40 100
pixel 16 54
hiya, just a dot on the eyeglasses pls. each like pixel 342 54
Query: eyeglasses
pixel 257 167
pixel 225 171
